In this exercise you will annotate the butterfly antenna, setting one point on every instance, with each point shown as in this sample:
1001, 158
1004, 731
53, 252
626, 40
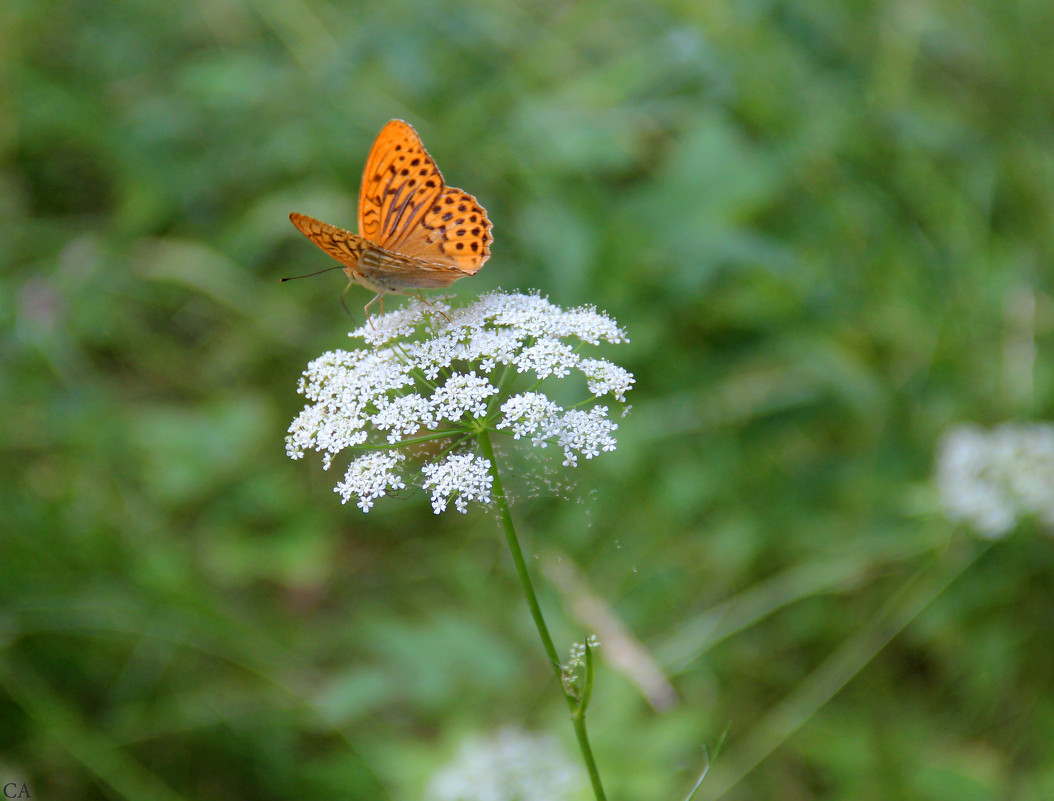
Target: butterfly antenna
294, 277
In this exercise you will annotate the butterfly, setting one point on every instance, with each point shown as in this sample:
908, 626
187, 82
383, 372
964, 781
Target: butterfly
415, 232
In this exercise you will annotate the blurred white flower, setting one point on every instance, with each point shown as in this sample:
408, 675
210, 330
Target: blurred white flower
992, 479
510, 765
577, 659
438, 374
572, 674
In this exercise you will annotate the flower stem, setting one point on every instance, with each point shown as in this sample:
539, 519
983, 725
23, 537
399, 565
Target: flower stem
578, 717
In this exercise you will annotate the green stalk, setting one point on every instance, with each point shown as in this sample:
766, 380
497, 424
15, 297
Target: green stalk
578, 712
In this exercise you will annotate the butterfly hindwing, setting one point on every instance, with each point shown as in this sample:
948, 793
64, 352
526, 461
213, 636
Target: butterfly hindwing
455, 231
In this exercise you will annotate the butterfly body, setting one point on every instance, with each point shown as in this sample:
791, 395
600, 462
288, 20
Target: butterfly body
414, 231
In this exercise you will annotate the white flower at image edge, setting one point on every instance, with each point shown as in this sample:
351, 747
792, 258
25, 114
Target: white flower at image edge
433, 373
992, 479
510, 765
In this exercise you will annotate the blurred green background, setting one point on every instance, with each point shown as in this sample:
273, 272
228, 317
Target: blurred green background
827, 228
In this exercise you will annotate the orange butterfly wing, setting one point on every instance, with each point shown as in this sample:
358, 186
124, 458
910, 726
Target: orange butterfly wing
400, 182
414, 231
455, 231
344, 246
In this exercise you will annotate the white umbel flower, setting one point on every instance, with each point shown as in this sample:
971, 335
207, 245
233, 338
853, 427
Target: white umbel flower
605, 378
460, 395
369, 477
433, 372
533, 415
460, 476
510, 765
992, 479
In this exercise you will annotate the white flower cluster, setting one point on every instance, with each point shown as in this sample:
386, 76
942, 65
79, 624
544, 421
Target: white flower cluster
534, 415
992, 479
461, 476
572, 672
370, 477
510, 765
577, 659
436, 372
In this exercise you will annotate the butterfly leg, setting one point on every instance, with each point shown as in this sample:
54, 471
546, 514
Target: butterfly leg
343, 302
366, 308
431, 305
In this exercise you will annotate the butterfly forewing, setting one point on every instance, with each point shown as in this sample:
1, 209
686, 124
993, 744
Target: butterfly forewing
400, 182
344, 246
